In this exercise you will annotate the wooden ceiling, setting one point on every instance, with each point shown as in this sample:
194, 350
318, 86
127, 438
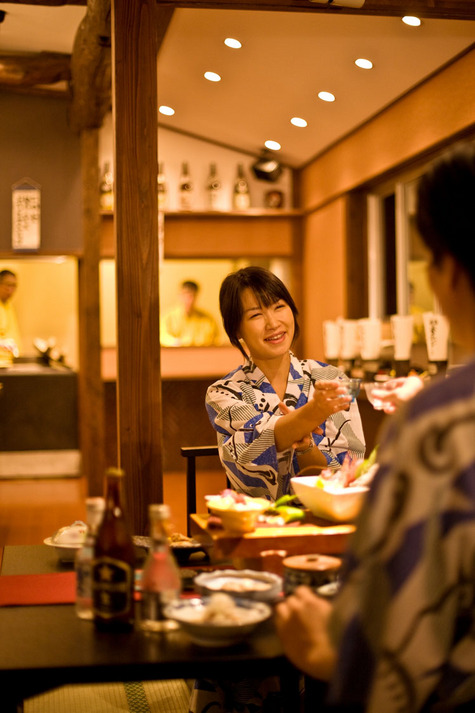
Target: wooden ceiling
87, 71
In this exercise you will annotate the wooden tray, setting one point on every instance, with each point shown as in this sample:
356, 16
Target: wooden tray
312, 536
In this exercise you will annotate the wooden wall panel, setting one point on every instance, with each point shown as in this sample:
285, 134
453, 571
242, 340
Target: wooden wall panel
433, 112
324, 273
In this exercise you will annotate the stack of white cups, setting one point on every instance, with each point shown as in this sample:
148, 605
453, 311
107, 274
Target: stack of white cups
402, 326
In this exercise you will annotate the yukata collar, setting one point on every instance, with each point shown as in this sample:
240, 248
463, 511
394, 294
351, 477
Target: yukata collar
254, 373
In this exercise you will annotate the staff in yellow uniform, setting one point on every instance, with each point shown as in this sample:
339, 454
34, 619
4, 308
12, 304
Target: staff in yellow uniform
10, 340
186, 325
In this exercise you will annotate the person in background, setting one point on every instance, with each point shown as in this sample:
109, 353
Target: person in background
10, 338
276, 414
400, 634
186, 325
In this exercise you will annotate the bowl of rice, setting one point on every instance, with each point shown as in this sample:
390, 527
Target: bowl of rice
218, 620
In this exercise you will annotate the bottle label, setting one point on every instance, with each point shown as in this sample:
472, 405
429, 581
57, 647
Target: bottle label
112, 585
241, 201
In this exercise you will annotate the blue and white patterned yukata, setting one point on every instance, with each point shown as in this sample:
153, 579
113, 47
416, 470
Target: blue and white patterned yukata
404, 620
244, 408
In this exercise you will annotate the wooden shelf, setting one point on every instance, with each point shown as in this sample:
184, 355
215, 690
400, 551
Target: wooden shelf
257, 232
249, 213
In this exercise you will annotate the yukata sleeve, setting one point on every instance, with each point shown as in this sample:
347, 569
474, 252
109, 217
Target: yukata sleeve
246, 438
343, 434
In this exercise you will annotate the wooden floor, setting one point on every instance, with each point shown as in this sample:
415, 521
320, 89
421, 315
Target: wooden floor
31, 510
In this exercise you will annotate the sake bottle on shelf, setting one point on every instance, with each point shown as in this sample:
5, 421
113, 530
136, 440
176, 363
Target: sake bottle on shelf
84, 556
162, 187
241, 195
213, 189
107, 188
113, 564
185, 188
161, 582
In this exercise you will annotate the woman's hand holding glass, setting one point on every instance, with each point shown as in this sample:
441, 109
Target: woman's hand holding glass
329, 397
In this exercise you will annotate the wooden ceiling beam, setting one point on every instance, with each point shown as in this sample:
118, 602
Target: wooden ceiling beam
442, 9
90, 84
30, 69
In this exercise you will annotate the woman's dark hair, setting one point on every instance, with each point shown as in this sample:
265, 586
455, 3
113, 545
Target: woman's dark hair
266, 286
446, 208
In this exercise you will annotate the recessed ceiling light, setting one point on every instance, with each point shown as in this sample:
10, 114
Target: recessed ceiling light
364, 63
233, 43
326, 96
411, 20
212, 76
167, 110
297, 121
274, 145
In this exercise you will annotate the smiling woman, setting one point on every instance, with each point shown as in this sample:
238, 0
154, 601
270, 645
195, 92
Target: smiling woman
276, 414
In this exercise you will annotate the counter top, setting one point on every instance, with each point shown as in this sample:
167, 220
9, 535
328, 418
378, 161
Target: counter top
183, 362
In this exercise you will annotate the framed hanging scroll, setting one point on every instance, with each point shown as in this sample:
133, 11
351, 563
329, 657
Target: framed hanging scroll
26, 215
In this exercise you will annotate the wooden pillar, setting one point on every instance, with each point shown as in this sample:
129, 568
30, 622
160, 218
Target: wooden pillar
134, 102
91, 388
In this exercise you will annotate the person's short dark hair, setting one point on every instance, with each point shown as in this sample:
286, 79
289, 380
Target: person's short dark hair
190, 285
266, 286
6, 273
446, 207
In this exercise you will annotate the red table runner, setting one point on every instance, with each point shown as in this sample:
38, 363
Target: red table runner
30, 589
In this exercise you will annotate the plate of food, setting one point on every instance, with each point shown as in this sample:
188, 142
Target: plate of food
241, 583
238, 512
336, 495
218, 620
67, 540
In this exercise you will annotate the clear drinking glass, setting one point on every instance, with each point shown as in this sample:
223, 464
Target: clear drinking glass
353, 387
369, 388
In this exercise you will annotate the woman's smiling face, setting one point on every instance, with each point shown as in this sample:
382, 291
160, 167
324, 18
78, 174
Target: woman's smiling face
267, 331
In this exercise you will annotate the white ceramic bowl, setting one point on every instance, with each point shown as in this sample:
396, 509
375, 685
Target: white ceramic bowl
188, 612
338, 505
67, 540
241, 583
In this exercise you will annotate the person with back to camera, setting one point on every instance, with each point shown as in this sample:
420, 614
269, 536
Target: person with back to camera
400, 634
276, 414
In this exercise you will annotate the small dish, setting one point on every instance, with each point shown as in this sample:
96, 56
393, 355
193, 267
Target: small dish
244, 617
182, 549
241, 583
237, 516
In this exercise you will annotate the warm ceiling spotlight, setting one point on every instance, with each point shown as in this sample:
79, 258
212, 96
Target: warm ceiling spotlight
233, 43
273, 145
212, 77
326, 96
411, 20
167, 110
297, 121
364, 63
